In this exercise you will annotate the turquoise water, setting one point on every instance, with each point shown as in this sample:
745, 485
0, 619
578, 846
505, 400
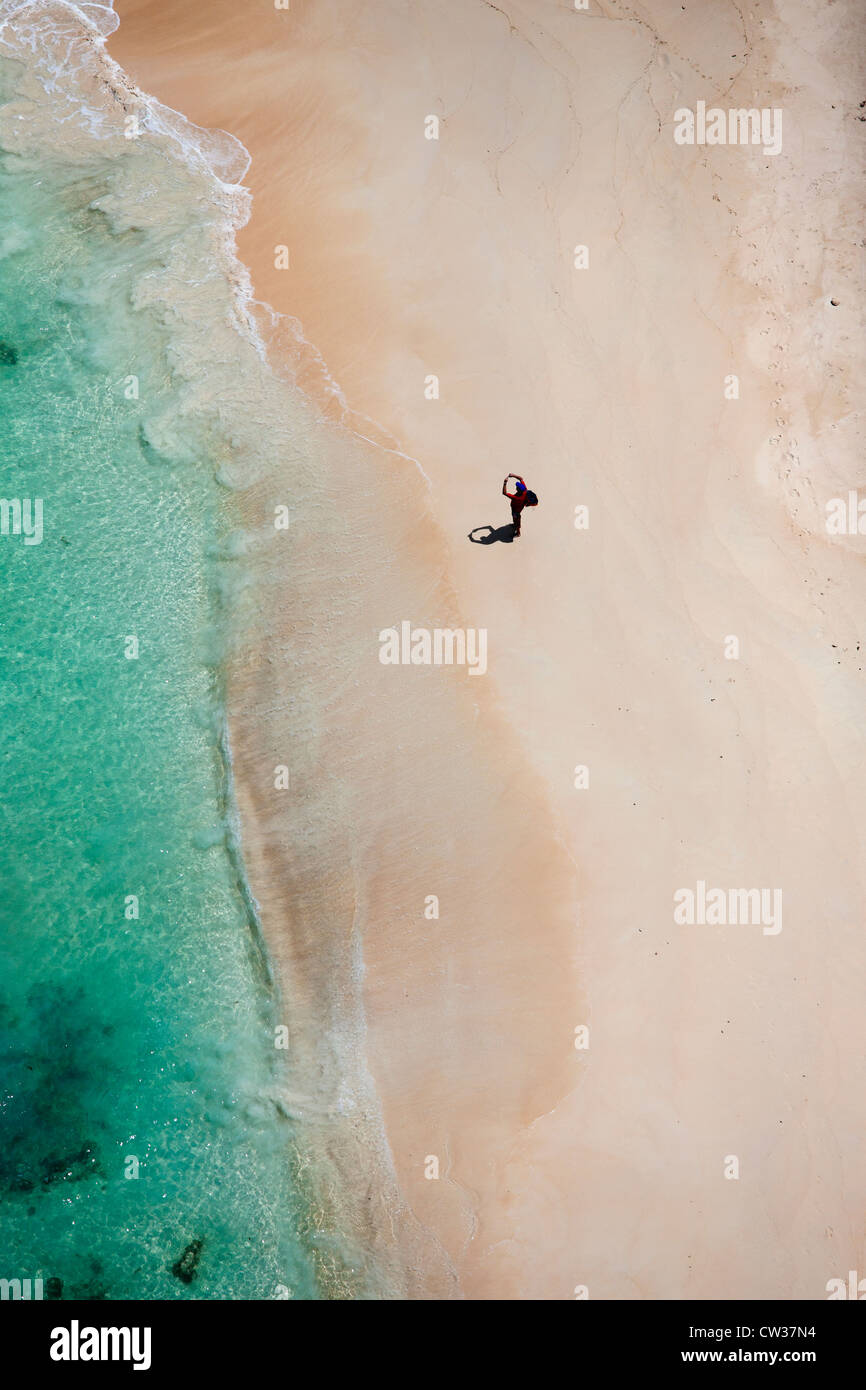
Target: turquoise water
141, 1154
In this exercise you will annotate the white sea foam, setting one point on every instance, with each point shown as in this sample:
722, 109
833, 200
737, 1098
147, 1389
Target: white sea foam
65, 45
65, 40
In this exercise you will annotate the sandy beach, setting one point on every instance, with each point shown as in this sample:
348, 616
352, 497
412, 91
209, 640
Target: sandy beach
663, 339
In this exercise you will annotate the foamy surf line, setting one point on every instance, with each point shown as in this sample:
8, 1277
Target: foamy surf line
143, 796
215, 360
216, 153
52, 46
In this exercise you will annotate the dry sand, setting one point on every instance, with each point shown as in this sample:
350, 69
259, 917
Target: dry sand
604, 387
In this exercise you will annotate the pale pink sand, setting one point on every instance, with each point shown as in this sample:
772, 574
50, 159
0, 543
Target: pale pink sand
605, 386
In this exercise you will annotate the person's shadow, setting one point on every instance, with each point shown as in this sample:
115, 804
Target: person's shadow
502, 533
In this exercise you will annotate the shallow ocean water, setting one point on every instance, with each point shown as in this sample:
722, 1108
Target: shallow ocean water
143, 1153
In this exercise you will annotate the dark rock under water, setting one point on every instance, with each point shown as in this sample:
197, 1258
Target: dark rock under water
185, 1268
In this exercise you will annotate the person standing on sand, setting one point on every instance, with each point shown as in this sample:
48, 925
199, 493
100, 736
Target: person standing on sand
521, 497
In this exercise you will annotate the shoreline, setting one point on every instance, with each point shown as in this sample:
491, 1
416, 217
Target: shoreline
429, 1273
323, 1153
185, 1078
